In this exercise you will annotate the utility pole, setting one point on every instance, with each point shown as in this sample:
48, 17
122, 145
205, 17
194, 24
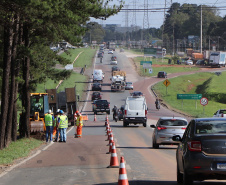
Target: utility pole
145, 22
201, 32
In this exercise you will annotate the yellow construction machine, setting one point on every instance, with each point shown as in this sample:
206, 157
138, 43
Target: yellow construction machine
39, 108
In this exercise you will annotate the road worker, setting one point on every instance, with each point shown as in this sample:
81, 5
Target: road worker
57, 125
79, 124
49, 120
62, 126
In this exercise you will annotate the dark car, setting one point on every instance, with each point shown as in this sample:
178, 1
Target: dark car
136, 93
101, 106
113, 58
201, 152
96, 87
201, 63
115, 68
100, 55
162, 74
96, 96
121, 112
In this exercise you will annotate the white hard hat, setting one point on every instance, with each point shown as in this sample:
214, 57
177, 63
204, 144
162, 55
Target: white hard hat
50, 111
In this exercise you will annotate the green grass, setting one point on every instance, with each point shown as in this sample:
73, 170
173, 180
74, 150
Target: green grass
85, 58
199, 83
20, 148
163, 66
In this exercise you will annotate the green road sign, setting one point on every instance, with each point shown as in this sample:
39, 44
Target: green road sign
150, 51
189, 96
145, 62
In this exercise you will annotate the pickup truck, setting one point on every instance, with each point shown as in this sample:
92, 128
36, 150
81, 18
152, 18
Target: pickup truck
220, 113
101, 106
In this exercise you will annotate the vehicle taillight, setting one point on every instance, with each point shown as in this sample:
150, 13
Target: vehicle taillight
183, 128
222, 115
125, 112
146, 112
194, 146
161, 128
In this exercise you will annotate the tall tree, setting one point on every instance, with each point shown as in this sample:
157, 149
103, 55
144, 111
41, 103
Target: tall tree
40, 22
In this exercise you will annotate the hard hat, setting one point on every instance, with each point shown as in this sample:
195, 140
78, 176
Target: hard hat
58, 110
50, 111
77, 112
61, 112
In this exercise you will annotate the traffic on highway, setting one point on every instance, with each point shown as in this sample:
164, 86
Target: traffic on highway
146, 139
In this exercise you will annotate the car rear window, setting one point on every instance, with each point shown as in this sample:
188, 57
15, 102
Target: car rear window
101, 102
172, 122
213, 127
222, 111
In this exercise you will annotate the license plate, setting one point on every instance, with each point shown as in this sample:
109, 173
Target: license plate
132, 118
221, 166
102, 109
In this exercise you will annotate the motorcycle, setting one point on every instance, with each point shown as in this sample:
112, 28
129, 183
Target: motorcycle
158, 106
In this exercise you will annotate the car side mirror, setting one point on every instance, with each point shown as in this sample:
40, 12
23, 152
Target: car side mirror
176, 138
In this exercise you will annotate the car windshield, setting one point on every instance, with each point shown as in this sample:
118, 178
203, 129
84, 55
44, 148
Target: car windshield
173, 122
128, 83
210, 127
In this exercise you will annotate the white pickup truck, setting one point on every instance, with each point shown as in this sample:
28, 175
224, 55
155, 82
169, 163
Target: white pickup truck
220, 113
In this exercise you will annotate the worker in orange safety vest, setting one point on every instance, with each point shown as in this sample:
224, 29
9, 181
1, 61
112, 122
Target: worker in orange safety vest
79, 124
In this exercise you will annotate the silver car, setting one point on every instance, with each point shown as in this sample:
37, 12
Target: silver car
129, 86
166, 128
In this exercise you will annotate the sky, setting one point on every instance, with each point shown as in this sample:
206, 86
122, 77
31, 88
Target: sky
155, 17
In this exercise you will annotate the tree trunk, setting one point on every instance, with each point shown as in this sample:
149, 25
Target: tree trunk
8, 41
10, 126
26, 89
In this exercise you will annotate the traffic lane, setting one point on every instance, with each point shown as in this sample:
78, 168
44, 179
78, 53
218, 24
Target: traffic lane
145, 87
145, 163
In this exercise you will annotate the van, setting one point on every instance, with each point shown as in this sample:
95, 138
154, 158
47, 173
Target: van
135, 110
98, 75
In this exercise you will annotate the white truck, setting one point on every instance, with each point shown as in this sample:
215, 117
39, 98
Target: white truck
217, 59
118, 81
135, 110
220, 113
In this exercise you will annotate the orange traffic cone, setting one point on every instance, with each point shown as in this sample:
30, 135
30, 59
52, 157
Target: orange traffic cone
110, 137
95, 118
122, 180
110, 147
114, 158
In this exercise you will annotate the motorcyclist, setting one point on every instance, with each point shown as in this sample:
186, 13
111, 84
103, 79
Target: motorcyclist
115, 111
157, 104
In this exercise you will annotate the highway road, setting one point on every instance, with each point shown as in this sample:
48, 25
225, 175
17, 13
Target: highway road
83, 161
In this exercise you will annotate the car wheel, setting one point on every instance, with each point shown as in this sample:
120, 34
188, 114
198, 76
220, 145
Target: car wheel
155, 145
179, 176
145, 124
187, 179
95, 112
108, 112
124, 124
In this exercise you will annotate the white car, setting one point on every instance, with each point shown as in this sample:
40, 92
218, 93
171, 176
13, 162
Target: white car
110, 51
189, 62
113, 62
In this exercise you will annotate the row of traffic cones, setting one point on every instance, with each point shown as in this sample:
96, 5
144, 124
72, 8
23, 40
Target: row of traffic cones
122, 180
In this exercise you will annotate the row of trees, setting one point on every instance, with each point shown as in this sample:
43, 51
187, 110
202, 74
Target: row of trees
180, 22
27, 28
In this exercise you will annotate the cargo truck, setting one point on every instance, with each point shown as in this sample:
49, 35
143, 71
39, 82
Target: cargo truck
217, 59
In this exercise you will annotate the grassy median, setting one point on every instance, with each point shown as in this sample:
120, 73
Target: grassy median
208, 84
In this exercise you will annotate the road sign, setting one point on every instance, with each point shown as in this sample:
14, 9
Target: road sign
145, 62
166, 82
146, 65
204, 101
189, 96
149, 51
150, 70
